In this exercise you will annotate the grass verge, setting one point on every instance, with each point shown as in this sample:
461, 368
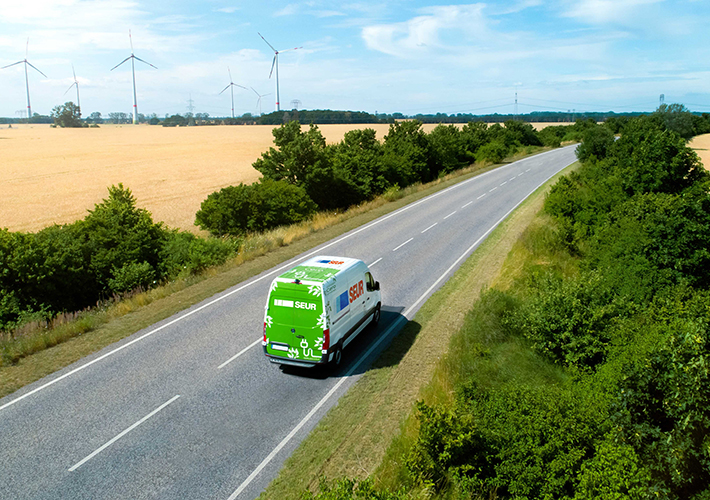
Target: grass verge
41, 349
355, 438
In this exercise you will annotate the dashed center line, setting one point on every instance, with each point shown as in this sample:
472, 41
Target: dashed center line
521, 173
528, 170
467, 204
427, 229
109, 443
484, 194
504, 183
511, 179
376, 262
452, 213
400, 246
491, 190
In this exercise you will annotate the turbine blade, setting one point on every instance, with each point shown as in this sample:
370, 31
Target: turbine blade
146, 62
230, 74
257, 93
27, 47
225, 88
240, 86
289, 50
130, 39
126, 59
36, 69
267, 43
273, 63
13, 64
72, 70
70, 86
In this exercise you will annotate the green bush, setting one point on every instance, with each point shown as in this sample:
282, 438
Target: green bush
131, 276
596, 142
494, 152
406, 155
235, 210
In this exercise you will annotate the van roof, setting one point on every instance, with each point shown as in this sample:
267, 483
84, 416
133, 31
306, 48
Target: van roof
319, 269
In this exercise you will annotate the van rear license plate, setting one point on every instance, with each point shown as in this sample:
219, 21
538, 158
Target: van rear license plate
279, 347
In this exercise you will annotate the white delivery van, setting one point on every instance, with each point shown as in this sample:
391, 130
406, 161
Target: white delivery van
317, 308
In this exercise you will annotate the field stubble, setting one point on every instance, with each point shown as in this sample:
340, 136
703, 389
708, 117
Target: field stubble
53, 175
701, 145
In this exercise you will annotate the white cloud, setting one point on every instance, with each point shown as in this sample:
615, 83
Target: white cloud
608, 11
409, 39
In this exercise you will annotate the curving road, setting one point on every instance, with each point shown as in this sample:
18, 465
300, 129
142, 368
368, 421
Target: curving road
190, 408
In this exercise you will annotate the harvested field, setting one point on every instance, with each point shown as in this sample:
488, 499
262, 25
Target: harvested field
701, 145
53, 175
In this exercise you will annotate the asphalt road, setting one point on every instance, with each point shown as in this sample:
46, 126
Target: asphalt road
191, 408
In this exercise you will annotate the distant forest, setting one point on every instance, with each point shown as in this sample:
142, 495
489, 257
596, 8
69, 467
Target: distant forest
327, 116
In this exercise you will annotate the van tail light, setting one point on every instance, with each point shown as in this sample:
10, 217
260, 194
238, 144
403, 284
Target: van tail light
326, 340
264, 341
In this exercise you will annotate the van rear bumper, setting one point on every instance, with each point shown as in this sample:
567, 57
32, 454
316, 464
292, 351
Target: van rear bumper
282, 360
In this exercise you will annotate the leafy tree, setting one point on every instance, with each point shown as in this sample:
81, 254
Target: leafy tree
67, 115
449, 148
95, 117
235, 210
407, 156
676, 118
596, 142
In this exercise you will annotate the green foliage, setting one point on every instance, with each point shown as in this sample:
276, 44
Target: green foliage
596, 141
449, 148
676, 118
406, 154
131, 276
349, 489
235, 210
67, 115
493, 152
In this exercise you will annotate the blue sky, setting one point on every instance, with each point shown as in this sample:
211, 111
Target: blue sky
407, 56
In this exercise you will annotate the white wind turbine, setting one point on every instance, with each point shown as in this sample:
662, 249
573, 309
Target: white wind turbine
76, 82
133, 57
275, 63
231, 88
27, 81
258, 100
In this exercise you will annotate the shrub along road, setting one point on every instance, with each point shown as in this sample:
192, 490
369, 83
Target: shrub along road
190, 408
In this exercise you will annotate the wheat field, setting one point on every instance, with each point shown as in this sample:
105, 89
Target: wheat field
701, 145
54, 175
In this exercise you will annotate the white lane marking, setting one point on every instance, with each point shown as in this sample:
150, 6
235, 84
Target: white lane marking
313, 411
239, 354
528, 170
452, 213
427, 229
467, 204
521, 173
400, 246
325, 398
285, 266
109, 443
484, 194
491, 190
511, 179
376, 262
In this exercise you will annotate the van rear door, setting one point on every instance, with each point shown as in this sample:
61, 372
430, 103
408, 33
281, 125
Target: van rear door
294, 322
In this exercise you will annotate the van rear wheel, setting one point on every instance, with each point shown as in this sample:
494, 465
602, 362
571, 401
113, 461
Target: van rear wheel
337, 356
376, 316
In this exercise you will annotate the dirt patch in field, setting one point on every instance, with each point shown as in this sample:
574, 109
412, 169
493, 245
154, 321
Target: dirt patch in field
701, 145
53, 175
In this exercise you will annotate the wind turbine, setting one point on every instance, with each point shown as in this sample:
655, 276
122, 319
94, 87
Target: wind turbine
76, 82
275, 63
27, 81
231, 88
258, 100
133, 57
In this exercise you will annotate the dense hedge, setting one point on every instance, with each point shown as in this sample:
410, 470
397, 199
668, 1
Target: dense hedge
360, 167
116, 248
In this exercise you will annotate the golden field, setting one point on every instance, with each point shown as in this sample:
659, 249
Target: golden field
701, 145
54, 175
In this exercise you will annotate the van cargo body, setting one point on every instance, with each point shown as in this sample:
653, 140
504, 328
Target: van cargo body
316, 308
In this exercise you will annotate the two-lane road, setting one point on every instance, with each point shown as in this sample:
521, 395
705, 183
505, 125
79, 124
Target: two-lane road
191, 408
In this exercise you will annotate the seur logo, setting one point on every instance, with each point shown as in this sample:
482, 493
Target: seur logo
306, 305
355, 291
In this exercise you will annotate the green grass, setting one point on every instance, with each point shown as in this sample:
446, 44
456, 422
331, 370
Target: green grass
39, 349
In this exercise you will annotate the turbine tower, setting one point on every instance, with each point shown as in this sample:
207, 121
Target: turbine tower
133, 57
258, 100
275, 63
27, 80
231, 88
76, 82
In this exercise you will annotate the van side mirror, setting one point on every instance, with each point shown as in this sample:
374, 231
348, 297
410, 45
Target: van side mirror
377, 285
